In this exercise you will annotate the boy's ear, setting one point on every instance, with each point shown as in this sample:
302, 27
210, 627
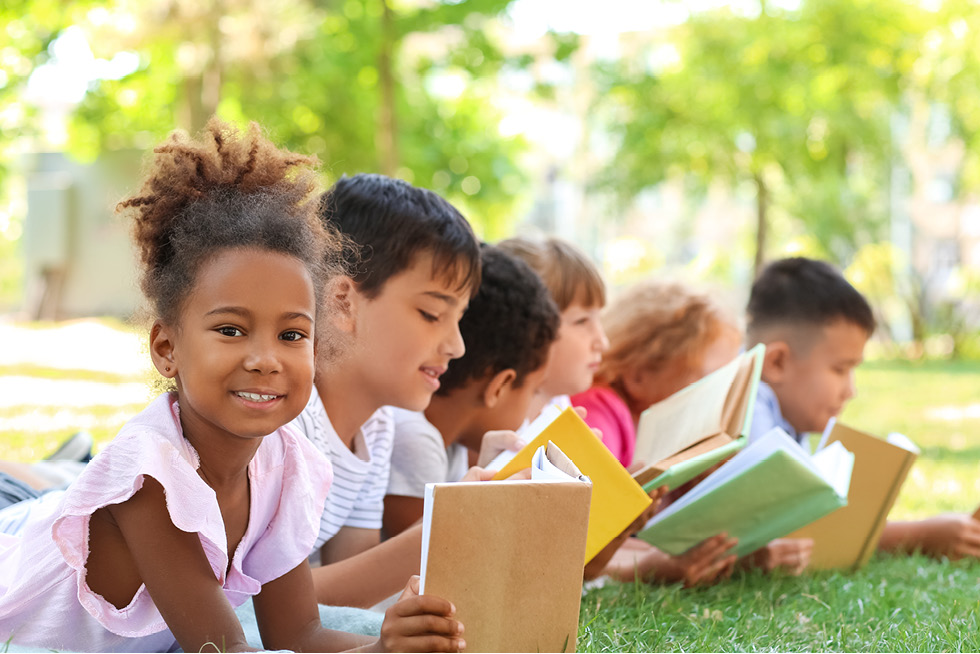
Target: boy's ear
774, 363
497, 386
162, 349
342, 302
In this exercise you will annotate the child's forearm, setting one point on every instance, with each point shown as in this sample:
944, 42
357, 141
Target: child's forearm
900, 537
371, 576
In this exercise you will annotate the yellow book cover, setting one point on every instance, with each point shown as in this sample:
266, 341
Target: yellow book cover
849, 536
617, 500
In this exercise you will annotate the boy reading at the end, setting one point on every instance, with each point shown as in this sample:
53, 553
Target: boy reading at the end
815, 326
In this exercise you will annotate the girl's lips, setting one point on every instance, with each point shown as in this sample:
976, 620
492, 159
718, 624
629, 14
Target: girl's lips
258, 400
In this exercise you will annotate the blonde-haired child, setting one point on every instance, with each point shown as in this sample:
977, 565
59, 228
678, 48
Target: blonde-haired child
577, 288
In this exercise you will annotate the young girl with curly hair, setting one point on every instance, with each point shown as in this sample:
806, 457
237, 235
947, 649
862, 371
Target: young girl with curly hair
205, 498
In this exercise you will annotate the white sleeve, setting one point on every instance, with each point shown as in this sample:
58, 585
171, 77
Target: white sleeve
418, 457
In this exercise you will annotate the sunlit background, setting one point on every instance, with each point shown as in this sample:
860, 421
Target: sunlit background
685, 139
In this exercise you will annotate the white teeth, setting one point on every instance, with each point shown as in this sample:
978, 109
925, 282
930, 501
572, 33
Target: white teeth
255, 397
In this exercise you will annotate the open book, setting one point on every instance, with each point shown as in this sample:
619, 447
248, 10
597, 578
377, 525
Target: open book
617, 500
700, 425
764, 492
509, 555
848, 537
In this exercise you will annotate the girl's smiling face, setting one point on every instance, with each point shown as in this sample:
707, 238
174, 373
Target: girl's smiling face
242, 353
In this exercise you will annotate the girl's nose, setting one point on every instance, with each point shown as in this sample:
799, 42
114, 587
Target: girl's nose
263, 360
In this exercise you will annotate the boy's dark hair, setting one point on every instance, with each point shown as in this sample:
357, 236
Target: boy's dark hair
511, 323
804, 293
389, 222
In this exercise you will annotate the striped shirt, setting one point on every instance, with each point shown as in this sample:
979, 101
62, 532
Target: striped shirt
360, 477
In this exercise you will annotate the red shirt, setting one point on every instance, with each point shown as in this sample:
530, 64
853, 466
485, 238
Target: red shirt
608, 413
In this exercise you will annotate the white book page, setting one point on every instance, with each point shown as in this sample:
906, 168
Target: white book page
528, 434
903, 441
825, 436
835, 464
686, 417
426, 528
543, 469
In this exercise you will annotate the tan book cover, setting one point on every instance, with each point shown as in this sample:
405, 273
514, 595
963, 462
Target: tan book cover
616, 499
509, 555
849, 536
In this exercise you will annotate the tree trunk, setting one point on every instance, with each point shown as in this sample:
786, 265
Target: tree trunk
387, 118
762, 227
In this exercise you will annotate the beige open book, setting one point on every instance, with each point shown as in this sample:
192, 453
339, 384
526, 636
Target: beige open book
509, 555
698, 426
849, 536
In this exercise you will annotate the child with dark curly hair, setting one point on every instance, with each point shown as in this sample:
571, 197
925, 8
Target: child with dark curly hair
508, 330
205, 498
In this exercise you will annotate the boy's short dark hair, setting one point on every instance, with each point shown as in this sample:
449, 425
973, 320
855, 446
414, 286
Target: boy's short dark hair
803, 292
389, 223
511, 323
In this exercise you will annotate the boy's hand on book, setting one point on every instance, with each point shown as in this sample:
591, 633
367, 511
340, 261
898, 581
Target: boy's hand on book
705, 563
497, 442
421, 623
789, 554
476, 473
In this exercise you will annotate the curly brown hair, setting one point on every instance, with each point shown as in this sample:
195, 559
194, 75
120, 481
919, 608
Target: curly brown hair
654, 322
227, 189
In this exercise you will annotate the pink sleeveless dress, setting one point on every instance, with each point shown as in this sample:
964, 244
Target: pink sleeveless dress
44, 598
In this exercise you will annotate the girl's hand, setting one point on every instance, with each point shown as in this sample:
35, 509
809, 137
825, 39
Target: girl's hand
496, 442
421, 623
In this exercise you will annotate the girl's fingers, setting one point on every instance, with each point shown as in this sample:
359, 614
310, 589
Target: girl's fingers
423, 605
427, 625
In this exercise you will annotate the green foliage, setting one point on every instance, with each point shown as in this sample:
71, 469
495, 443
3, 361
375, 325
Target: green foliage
317, 78
797, 102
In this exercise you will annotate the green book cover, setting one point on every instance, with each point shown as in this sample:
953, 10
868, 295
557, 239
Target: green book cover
766, 491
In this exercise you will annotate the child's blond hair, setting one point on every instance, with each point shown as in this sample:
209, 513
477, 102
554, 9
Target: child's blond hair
655, 322
567, 272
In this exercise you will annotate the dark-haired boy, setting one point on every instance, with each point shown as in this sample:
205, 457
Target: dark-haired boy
508, 328
815, 326
413, 263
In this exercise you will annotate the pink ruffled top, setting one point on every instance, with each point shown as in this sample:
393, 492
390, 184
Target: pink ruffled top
607, 412
44, 598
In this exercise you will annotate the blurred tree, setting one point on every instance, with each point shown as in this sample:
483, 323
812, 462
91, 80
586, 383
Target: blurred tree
796, 102
399, 87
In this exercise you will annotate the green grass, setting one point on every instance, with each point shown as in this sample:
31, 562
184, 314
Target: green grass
893, 604
902, 604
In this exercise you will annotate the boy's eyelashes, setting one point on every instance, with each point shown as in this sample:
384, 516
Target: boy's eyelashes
428, 317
